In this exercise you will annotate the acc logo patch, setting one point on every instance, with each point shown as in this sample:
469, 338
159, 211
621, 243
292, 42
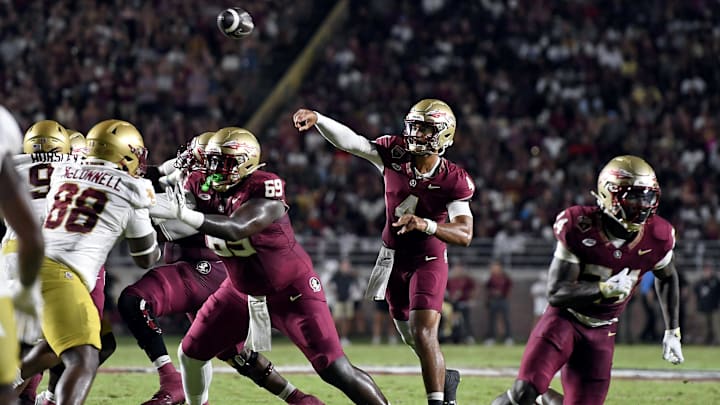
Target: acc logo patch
589, 242
203, 267
315, 284
397, 152
584, 223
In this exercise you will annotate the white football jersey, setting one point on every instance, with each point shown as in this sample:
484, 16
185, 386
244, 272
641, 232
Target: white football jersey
91, 206
34, 171
10, 143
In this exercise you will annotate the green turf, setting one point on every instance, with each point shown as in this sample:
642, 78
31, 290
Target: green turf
134, 388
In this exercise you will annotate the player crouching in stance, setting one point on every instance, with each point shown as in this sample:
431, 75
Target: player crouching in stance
270, 281
601, 253
90, 207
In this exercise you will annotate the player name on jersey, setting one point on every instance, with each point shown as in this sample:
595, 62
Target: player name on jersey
52, 157
100, 177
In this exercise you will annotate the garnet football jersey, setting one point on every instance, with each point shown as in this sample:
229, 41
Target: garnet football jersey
407, 193
267, 261
579, 229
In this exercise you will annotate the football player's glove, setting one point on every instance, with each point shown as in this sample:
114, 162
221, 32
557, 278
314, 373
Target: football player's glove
178, 202
27, 300
618, 285
672, 349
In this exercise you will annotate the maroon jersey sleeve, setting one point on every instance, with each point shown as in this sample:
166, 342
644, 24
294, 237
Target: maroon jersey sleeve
391, 148
464, 186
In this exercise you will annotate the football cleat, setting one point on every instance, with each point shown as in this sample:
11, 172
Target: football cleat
452, 380
170, 395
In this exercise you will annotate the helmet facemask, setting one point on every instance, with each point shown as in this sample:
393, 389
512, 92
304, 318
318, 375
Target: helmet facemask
628, 191
429, 128
632, 206
230, 156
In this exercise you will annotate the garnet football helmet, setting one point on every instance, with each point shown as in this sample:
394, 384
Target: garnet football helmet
628, 191
118, 142
46, 136
192, 155
429, 127
78, 146
230, 156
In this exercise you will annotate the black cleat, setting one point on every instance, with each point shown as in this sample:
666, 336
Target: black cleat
452, 380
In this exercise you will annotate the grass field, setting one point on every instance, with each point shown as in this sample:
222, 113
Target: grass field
126, 379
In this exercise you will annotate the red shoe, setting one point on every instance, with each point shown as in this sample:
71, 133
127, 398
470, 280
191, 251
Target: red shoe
307, 399
170, 394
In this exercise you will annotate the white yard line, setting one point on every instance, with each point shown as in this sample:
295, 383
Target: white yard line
695, 375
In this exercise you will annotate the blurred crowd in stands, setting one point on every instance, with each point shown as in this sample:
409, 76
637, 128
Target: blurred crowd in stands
545, 93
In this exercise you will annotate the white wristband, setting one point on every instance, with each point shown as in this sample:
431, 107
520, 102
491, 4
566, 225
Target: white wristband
192, 218
431, 226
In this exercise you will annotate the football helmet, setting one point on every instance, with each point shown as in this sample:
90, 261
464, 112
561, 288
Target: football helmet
429, 127
231, 155
78, 146
118, 142
46, 136
628, 191
192, 155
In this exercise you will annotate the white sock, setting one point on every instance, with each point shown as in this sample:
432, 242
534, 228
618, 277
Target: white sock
161, 361
285, 393
196, 378
436, 396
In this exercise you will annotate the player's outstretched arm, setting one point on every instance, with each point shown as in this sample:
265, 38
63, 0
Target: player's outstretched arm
250, 218
15, 205
338, 134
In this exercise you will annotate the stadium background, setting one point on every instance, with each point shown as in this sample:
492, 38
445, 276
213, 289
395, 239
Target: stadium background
545, 92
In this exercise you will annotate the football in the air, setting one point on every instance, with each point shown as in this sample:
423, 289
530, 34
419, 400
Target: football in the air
235, 22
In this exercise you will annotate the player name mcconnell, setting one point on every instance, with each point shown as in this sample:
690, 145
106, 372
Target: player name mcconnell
97, 177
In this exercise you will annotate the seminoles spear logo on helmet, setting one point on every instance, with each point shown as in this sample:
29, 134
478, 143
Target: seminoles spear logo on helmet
231, 155
628, 191
429, 127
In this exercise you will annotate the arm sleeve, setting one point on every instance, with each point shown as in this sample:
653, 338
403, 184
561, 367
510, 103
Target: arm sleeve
139, 224
456, 208
167, 167
175, 229
346, 139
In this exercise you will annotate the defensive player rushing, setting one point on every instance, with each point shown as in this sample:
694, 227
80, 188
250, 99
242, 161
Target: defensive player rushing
242, 212
41, 357
422, 190
601, 253
190, 274
23, 295
90, 207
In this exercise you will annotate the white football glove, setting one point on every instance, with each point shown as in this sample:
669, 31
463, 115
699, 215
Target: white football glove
672, 350
172, 179
618, 285
27, 300
176, 197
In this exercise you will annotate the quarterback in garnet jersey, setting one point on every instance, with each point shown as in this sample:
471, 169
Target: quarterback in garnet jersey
271, 281
601, 253
427, 205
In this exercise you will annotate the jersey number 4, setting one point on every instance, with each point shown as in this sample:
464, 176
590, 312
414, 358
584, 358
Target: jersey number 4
79, 212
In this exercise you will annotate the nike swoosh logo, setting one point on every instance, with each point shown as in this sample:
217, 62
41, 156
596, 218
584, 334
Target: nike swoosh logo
294, 298
430, 258
612, 333
643, 252
432, 187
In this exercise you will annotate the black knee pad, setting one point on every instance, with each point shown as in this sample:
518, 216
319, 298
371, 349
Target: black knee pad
250, 364
524, 392
138, 314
